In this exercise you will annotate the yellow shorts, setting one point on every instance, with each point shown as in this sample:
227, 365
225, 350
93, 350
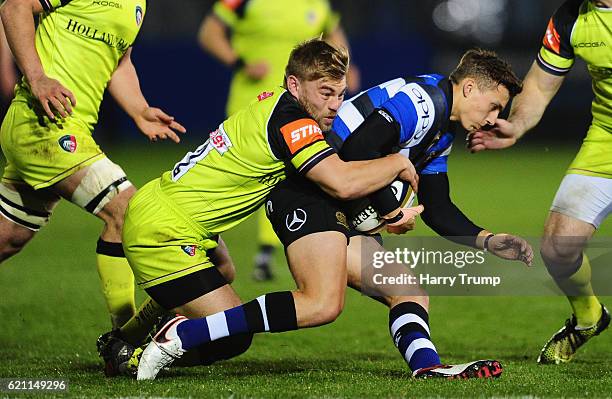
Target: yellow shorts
43, 154
160, 244
593, 158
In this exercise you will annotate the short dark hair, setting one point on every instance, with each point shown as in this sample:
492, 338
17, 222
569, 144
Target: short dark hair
488, 70
316, 59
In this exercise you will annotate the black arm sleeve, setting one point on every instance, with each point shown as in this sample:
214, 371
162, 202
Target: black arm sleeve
375, 138
441, 215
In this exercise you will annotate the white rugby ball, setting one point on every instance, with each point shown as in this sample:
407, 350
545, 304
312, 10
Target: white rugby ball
365, 219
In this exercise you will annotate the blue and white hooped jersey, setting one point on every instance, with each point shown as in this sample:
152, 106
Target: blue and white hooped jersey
420, 105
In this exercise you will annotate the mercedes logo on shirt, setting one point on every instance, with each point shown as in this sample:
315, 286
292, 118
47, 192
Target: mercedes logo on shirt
296, 219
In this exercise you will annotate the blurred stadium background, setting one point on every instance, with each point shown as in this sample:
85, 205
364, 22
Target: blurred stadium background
51, 309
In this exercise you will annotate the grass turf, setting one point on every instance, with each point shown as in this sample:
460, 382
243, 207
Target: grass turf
52, 310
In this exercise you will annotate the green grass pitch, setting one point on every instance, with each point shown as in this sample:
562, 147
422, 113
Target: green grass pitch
52, 311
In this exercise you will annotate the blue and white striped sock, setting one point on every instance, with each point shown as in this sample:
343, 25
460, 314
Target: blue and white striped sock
409, 327
273, 312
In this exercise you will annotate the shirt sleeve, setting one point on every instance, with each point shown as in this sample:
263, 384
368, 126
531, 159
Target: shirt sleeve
297, 138
556, 55
50, 5
229, 11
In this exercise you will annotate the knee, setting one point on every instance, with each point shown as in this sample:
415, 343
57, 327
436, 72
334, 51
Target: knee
327, 310
561, 260
558, 249
11, 242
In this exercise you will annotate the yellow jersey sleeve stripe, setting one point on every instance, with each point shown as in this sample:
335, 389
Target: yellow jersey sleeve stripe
308, 157
554, 63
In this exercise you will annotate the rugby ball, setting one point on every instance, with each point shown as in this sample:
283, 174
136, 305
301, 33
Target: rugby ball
365, 219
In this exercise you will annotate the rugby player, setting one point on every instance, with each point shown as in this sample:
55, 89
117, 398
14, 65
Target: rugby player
413, 116
254, 39
79, 49
479, 98
579, 28
173, 220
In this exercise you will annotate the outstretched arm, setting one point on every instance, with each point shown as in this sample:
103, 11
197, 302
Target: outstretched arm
539, 88
446, 219
125, 89
18, 19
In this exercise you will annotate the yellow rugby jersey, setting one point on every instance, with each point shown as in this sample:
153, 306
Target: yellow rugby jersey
228, 177
267, 30
579, 28
80, 43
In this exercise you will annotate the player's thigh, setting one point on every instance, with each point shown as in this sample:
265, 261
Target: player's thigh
221, 299
587, 199
314, 231
43, 153
580, 205
24, 211
318, 263
168, 257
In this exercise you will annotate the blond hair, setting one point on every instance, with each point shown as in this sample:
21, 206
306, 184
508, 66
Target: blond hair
316, 59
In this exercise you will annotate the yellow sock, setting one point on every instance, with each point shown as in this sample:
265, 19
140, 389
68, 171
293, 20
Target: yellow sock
118, 287
265, 232
137, 328
585, 304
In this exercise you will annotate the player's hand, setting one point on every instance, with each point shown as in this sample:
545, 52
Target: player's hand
409, 173
257, 70
507, 246
502, 135
53, 97
408, 222
157, 125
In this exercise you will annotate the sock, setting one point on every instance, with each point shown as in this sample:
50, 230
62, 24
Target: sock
212, 352
117, 281
409, 327
579, 291
273, 312
137, 328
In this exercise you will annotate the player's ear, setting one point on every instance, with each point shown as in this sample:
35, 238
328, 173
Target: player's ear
469, 85
293, 85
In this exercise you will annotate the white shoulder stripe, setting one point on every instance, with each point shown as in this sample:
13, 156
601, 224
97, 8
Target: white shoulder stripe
393, 86
351, 116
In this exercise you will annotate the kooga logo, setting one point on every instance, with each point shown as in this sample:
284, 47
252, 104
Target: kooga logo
590, 44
